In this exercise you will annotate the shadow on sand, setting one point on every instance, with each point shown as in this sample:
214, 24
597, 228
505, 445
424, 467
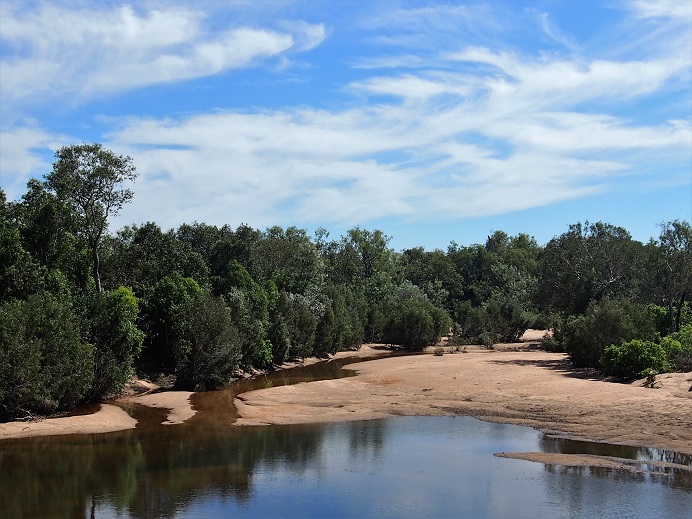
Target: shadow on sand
563, 366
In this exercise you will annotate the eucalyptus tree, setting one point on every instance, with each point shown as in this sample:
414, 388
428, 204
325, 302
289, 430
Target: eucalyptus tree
672, 262
218, 246
589, 263
208, 344
89, 179
434, 272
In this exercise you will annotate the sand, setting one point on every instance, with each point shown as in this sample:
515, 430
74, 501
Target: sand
177, 403
525, 387
109, 418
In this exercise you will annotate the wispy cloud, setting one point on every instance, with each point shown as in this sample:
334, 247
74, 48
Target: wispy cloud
680, 9
441, 115
501, 140
24, 152
62, 51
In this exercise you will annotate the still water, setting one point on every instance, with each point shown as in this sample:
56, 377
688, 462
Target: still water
401, 467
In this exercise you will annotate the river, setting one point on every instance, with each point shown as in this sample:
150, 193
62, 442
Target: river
408, 467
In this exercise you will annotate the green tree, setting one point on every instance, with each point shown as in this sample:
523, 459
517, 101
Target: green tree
20, 273
498, 281
363, 261
249, 306
139, 256
500, 318
433, 272
611, 321
672, 268
160, 309
589, 263
342, 324
50, 229
217, 247
89, 178
474, 268
411, 320
289, 258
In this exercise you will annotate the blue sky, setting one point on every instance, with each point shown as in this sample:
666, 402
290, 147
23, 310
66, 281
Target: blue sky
432, 121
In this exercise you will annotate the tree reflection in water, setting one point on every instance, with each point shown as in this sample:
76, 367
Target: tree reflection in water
165, 471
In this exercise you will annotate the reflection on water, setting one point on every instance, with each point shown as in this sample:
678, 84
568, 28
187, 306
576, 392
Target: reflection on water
403, 467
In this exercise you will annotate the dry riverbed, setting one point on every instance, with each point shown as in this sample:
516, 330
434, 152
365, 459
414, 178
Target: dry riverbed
516, 384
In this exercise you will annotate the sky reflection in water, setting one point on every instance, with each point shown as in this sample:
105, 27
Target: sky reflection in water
403, 467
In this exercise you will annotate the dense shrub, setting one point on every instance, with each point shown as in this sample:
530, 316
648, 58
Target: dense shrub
117, 340
680, 354
160, 308
412, 320
251, 324
499, 319
585, 337
207, 344
44, 365
630, 360
342, 325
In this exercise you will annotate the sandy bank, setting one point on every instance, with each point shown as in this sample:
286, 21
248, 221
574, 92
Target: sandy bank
589, 460
177, 403
109, 418
527, 387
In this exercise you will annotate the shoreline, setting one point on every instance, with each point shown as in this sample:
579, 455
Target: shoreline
514, 383
511, 384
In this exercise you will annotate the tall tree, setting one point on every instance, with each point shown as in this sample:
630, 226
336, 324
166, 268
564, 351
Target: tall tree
588, 263
89, 178
673, 262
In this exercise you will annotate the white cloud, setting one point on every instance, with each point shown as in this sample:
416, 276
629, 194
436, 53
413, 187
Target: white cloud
568, 82
490, 146
415, 86
550, 29
397, 61
61, 51
432, 132
681, 9
24, 152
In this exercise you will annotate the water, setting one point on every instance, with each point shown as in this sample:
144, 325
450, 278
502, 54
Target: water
413, 467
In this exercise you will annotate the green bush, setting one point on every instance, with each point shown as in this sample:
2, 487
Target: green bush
499, 319
44, 365
117, 340
342, 326
160, 308
681, 357
585, 337
207, 344
412, 320
634, 359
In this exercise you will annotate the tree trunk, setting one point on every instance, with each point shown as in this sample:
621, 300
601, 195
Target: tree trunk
97, 267
681, 303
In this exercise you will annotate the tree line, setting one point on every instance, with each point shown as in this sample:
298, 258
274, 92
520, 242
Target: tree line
81, 308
